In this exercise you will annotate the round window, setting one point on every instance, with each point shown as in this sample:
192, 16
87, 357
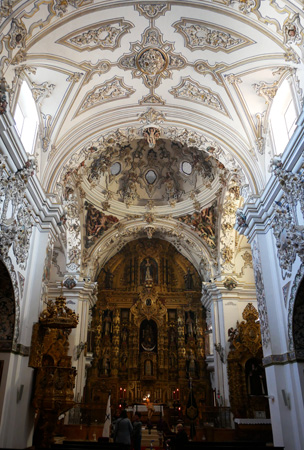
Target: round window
186, 168
115, 168
150, 176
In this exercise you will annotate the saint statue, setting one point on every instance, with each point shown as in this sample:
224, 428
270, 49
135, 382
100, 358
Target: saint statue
148, 276
188, 277
189, 325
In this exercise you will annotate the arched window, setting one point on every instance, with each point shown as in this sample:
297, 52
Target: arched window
282, 117
26, 118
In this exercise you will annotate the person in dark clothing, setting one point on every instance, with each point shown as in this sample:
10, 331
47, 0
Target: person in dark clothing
178, 441
123, 430
137, 426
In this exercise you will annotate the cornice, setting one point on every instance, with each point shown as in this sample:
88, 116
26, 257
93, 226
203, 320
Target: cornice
46, 214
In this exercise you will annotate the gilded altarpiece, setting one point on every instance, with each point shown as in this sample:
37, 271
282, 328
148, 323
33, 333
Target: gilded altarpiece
148, 329
246, 374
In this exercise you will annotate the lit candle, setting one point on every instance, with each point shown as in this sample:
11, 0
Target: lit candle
124, 393
177, 394
173, 395
120, 392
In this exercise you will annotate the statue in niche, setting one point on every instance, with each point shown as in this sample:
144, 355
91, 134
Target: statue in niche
108, 279
148, 368
104, 365
172, 337
107, 323
188, 277
124, 360
124, 336
172, 360
148, 337
192, 365
148, 271
189, 325
256, 380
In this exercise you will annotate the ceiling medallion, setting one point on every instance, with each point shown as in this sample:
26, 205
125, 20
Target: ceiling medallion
152, 59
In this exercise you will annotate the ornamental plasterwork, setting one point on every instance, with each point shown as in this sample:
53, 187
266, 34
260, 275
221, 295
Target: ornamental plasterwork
100, 68
260, 293
46, 131
245, 6
292, 31
6, 8
152, 117
152, 59
152, 99
204, 68
266, 90
193, 91
17, 34
247, 258
287, 231
227, 236
72, 225
103, 35
152, 11
123, 137
15, 221
41, 91
74, 77
21, 245
61, 6
200, 35
291, 56
113, 89
19, 58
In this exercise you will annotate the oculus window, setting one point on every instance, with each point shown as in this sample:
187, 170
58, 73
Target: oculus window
115, 168
150, 176
186, 168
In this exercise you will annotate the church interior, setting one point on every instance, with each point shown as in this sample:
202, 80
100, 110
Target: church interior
152, 219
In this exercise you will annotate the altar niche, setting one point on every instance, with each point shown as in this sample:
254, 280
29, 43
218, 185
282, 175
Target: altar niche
148, 271
148, 336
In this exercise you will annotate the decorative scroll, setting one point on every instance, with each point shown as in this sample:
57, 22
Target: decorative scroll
106, 35
202, 35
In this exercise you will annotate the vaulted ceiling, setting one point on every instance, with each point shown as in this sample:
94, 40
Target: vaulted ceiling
200, 74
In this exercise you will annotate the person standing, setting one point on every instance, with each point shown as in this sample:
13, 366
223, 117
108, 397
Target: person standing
123, 430
137, 426
180, 439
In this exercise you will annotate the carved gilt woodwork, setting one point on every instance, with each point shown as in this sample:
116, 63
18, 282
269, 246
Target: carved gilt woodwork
55, 376
246, 377
148, 328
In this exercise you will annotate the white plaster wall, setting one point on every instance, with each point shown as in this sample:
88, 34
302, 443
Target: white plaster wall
17, 419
